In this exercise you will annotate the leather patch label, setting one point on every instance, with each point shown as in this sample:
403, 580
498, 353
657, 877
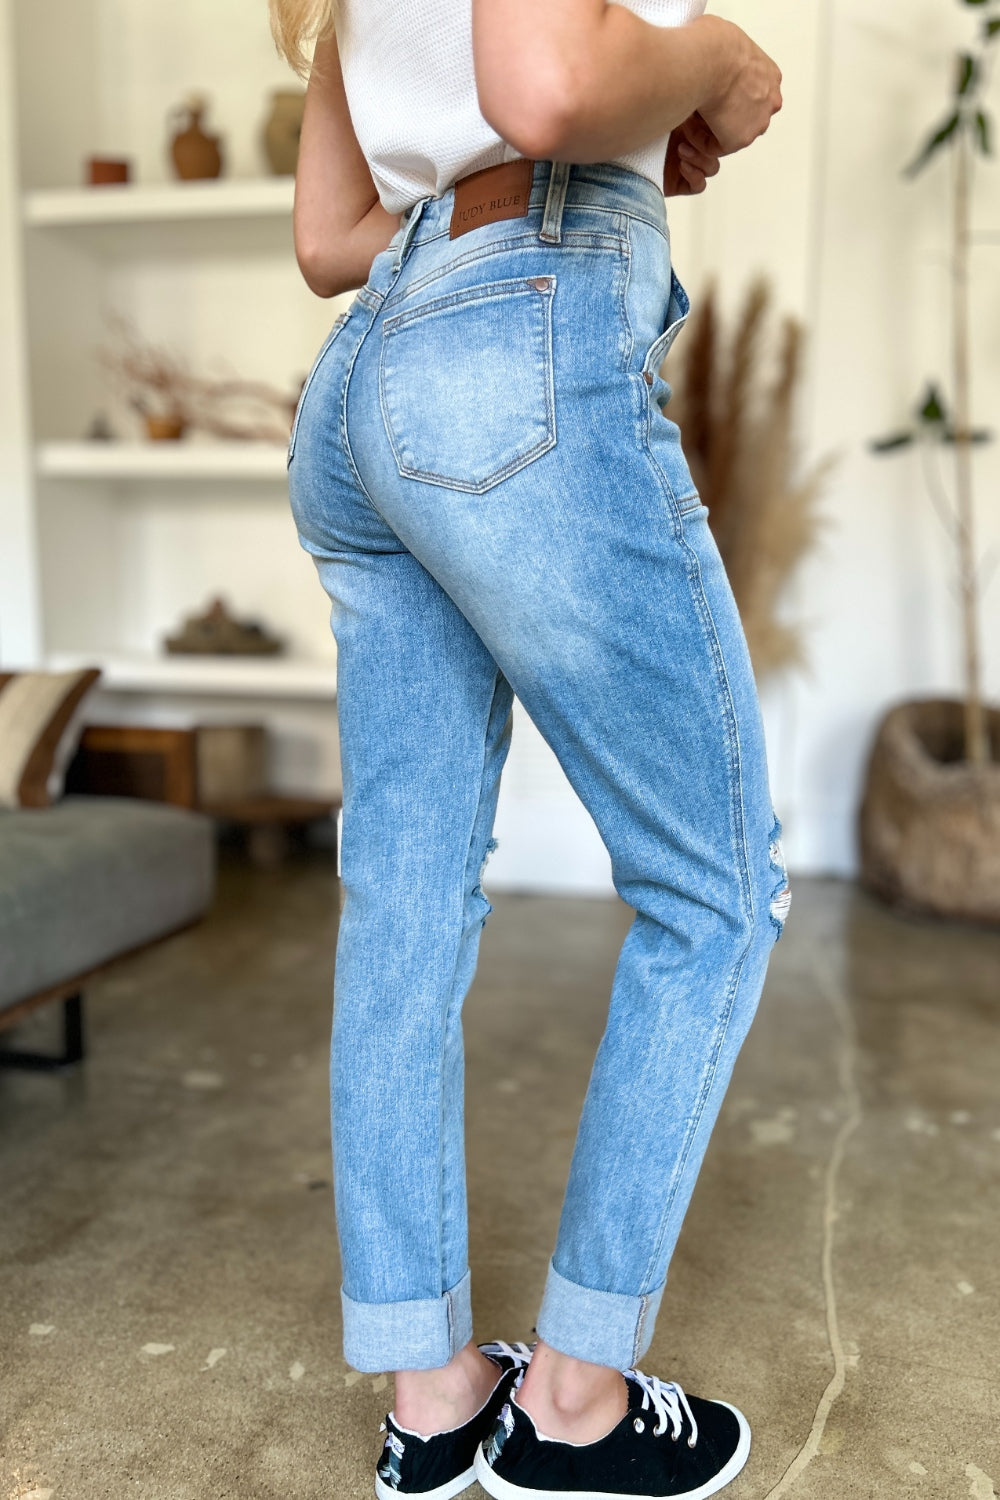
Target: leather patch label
500, 192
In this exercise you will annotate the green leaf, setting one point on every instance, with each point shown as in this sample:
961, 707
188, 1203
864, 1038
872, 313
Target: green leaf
936, 141
977, 2
990, 30
984, 133
933, 408
968, 73
891, 443
977, 435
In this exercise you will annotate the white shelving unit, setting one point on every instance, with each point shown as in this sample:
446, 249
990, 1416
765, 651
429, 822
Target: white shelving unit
238, 677
164, 461
137, 203
109, 545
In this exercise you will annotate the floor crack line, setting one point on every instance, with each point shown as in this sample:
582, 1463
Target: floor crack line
851, 1102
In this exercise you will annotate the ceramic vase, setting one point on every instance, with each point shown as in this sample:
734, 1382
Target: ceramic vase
282, 130
194, 153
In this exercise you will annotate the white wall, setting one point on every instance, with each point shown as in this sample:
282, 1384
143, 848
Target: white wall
820, 204
20, 624
862, 256
876, 599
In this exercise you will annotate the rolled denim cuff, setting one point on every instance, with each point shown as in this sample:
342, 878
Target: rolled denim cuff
419, 1335
606, 1328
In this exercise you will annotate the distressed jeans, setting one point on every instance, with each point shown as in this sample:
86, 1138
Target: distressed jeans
497, 504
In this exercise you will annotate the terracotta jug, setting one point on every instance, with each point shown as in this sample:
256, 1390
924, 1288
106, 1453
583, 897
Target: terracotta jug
283, 129
195, 154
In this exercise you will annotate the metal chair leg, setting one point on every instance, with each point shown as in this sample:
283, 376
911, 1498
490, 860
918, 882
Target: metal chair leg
49, 1062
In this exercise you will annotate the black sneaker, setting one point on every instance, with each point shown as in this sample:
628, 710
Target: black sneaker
668, 1445
441, 1466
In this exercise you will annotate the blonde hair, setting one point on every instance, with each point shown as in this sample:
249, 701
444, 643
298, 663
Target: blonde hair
297, 23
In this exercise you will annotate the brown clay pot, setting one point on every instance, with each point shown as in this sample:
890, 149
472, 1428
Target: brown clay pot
195, 154
282, 130
105, 170
929, 823
164, 429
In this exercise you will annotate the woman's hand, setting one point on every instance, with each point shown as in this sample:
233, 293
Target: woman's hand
743, 106
692, 158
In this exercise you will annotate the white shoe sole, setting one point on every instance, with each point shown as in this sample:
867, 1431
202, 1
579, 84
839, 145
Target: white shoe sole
502, 1489
443, 1492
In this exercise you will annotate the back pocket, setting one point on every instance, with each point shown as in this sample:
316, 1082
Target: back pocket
466, 383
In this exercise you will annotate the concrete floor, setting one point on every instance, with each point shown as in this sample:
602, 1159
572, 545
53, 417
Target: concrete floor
169, 1323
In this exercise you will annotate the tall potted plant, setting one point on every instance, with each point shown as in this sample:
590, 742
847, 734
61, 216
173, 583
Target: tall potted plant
930, 818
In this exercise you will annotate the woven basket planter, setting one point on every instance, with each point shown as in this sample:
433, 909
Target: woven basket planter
929, 824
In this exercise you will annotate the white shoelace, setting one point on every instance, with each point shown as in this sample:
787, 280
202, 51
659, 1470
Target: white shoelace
669, 1403
519, 1354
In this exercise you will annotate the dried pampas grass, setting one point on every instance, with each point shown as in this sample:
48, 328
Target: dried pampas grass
737, 421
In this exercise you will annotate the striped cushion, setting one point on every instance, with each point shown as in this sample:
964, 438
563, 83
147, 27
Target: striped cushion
37, 728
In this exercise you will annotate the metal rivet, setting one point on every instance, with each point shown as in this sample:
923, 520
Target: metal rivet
647, 377
541, 283
639, 1425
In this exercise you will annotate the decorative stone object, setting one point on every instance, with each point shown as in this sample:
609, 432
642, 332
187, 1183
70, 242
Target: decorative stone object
283, 130
194, 153
218, 633
929, 822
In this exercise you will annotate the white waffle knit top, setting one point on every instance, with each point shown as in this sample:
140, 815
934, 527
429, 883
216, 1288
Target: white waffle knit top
411, 89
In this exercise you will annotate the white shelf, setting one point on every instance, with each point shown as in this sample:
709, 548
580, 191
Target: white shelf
138, 203
169, 461
248, 677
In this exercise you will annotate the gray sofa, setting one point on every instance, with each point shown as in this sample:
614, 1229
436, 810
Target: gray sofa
82, 883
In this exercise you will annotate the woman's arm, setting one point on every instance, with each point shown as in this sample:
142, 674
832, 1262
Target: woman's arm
584, 80
572, 80
340, 225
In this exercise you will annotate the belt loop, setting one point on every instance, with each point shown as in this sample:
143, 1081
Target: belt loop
554, 200
411, 223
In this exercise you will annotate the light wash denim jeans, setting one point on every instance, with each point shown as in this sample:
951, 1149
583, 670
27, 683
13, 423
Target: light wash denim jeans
497, 504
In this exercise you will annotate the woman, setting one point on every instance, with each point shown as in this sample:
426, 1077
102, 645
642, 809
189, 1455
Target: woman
496, 503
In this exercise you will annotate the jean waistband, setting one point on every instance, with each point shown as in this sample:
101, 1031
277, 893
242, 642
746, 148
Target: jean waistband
556, 187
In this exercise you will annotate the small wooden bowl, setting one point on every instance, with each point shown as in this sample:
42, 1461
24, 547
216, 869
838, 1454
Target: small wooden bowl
164, 429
